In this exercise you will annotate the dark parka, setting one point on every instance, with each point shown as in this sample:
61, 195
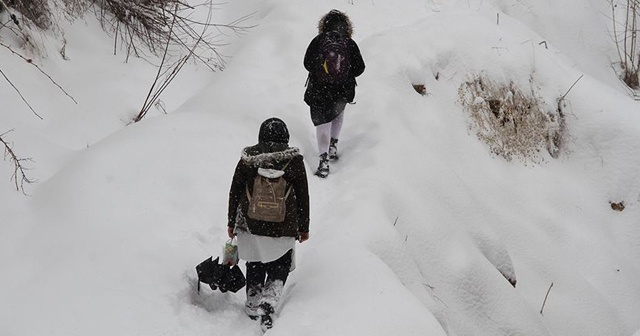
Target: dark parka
272, 151
320, 96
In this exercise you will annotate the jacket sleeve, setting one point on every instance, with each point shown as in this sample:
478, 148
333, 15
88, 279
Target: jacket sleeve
357, 63
310, 54
301, 188
235, 194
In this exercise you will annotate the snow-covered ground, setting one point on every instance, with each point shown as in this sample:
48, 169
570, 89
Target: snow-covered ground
411, 233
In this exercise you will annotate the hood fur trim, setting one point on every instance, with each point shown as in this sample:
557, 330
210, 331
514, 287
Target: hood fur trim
336, 13
259, 159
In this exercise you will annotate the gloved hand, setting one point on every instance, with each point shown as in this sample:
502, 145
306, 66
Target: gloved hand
303, 236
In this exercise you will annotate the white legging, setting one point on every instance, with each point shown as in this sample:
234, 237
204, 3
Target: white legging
326, 132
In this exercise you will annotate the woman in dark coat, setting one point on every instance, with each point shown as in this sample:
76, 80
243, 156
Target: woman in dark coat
268, 247
327, 101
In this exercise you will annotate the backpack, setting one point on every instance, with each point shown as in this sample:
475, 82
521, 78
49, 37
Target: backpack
270, 192
334, 64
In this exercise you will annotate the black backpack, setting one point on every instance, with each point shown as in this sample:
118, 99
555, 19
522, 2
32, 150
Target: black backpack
334, 64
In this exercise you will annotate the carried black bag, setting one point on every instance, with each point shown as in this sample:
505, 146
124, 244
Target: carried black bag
234, 280
220, 276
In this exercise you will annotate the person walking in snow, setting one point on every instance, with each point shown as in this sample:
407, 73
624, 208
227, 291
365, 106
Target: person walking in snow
334, 61
264, 241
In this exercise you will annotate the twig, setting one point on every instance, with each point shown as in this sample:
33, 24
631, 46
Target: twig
545, 298
433, 289
18, 168
147, 102
19, 93
572, 85
39, 69
154, 93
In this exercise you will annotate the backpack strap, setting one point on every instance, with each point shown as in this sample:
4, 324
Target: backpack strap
286, 195
246, 187
286, 165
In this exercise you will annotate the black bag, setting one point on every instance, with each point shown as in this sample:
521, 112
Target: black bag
220, 276
234, 280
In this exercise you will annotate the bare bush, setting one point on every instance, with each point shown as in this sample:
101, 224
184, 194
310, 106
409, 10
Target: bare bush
138, 26
514, 124
166, 26
150, 24
626, 38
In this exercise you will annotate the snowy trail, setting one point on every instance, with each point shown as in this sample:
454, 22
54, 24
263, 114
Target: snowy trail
413, 232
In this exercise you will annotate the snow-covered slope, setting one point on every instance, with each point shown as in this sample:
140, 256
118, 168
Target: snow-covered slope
413, 233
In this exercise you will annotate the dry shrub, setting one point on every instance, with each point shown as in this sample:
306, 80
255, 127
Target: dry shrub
513, 123
158, 24
625, 15
138, 25
147, 20
35, 11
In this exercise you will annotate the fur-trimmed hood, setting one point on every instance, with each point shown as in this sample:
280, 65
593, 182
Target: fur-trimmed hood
335, 20
256, 156
262, 155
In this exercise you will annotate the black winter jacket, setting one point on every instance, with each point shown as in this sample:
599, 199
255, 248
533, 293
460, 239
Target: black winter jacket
297, 204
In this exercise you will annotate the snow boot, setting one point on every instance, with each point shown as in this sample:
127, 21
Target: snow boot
252, 305
323, 166
266, 321
253, 311
333, 150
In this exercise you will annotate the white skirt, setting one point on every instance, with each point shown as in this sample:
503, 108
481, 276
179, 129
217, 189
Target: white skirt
262, 248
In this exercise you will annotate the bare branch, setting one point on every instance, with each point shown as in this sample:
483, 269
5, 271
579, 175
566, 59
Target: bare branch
29, 61
19, 93
545, 298
147, 103
19, 176
626, 41
170, 73
572, 85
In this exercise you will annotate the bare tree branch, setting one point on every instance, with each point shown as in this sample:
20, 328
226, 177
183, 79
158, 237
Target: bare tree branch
19, 176
172, 71
39, 69
147, 102
20, 94
545, 298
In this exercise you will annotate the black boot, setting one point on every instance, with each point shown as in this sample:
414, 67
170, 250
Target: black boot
266, 321
323, 166
333, 149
